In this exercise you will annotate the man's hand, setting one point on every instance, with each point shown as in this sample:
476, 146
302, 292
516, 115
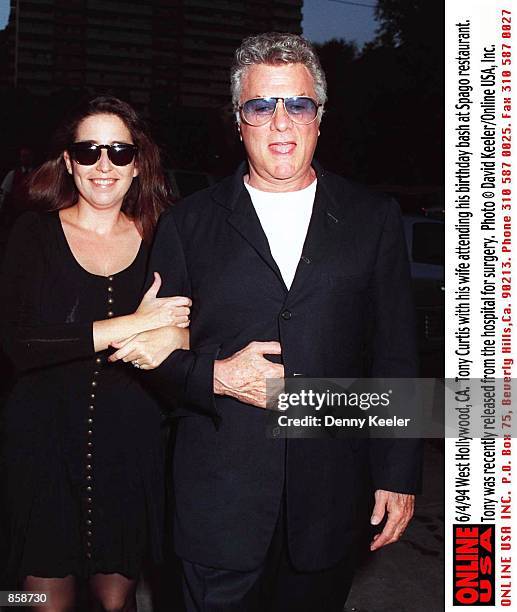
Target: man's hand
243, 375
149, 349
400, 509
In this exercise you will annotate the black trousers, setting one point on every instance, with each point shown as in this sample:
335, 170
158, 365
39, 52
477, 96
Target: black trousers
276, 586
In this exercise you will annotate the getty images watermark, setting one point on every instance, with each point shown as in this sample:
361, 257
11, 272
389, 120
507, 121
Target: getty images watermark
318, 401
387, 408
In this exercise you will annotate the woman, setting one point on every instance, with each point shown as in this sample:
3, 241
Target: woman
81, 454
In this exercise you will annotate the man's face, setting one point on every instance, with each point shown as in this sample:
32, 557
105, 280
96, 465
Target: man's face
279, 153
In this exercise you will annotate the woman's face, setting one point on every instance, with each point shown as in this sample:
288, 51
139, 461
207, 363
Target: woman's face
102, 185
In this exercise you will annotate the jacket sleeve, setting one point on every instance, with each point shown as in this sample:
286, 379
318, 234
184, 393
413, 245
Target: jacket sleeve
185, 378
396, 464
26, 339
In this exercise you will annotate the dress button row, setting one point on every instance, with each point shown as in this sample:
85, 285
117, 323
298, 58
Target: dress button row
110, 298
89, 457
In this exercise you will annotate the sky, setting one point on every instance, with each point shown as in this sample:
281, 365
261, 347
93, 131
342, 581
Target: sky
326, 19
322, 20
4, 13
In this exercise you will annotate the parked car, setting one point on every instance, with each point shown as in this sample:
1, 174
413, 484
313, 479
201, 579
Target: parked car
425, 239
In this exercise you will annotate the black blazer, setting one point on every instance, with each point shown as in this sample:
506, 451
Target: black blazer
350, 297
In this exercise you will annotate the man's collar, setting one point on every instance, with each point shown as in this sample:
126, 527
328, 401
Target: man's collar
227, 192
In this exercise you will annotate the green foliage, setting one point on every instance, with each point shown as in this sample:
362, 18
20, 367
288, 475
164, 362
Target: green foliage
384, 119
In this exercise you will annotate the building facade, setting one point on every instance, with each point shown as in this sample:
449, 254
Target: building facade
178, 50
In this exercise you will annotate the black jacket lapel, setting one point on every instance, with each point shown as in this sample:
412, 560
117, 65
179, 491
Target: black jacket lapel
243, 218
329, 223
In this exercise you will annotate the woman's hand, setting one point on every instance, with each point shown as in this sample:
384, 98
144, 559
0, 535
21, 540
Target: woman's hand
155, 312
149, 349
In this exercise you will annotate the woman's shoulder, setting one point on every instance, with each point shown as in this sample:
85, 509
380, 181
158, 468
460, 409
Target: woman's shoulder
34, 220
32, 229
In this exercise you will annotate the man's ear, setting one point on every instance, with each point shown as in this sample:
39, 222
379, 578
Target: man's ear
68, 161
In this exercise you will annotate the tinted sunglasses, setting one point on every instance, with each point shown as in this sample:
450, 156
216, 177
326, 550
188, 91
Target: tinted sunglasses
259, 111
87, 154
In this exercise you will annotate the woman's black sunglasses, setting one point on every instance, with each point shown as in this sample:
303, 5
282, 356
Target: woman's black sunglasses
87, 153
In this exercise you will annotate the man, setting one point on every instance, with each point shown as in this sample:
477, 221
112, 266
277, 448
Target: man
13, 197
292, 271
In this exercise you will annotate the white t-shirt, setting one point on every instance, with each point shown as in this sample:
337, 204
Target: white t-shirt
285, 219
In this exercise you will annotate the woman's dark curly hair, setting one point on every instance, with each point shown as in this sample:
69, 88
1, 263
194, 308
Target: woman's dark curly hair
51, 187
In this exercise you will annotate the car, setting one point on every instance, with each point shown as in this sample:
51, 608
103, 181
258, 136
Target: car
425, 240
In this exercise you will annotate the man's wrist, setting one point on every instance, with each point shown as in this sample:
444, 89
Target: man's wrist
218, 371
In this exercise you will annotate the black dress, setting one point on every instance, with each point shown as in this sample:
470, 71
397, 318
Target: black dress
82, 464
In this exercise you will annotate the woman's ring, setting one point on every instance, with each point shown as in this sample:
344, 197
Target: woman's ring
135, 364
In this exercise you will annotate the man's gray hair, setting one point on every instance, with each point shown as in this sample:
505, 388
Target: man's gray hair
274, 48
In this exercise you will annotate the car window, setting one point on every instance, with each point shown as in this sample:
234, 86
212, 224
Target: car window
429, 243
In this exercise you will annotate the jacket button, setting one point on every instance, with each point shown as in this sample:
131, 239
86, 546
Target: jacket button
306, 259
286, 315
